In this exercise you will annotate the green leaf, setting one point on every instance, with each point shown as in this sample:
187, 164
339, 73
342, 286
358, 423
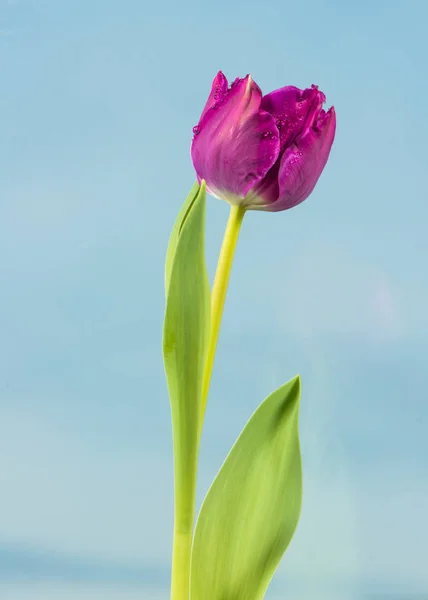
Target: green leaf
175, 233
185, 341
252, 509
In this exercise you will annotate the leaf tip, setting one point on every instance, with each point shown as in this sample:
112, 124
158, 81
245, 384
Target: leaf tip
296, 385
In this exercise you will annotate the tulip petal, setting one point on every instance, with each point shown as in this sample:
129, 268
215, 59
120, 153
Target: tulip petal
235, 143
303, 162
266, 191
289, 106
218, 92
293, 110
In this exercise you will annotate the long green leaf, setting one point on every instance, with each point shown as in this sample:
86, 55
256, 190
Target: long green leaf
252, 509
175, 233
185, 340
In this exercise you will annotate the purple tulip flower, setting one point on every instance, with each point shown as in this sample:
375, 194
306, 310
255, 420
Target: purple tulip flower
262, 152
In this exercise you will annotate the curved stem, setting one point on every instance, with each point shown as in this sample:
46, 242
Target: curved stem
218, 295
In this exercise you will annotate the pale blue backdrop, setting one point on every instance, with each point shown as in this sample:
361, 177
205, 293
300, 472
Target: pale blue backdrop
97, 103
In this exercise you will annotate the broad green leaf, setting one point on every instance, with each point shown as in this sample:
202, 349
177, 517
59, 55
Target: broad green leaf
185, 340
252, 509
173, 239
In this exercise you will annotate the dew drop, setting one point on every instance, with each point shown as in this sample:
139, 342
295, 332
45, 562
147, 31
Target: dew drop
196, 129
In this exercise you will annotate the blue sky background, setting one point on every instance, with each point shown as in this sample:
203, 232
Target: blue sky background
97, 104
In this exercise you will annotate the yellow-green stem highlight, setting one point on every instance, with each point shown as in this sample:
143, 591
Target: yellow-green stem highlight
218, 295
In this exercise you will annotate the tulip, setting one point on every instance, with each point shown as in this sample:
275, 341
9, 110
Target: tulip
259, 153
262, 152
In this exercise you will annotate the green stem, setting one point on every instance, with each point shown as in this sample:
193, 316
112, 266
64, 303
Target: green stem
185, 473
218, 295
180, 581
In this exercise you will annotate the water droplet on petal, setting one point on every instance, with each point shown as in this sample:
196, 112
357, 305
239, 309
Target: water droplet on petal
196, 129
215, 106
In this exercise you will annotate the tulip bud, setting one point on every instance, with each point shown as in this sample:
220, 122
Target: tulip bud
262, 152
